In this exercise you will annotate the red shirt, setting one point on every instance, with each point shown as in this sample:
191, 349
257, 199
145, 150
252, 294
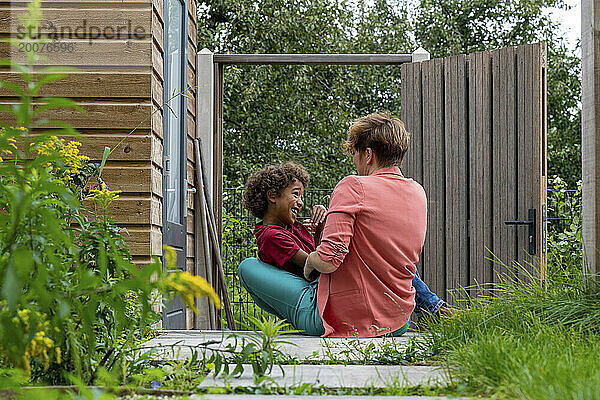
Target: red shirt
277, 245
374, 233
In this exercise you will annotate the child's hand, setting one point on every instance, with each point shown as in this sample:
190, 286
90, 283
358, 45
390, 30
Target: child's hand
318, 214
317, 217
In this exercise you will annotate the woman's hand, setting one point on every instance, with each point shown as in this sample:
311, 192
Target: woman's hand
307, 271
318, 215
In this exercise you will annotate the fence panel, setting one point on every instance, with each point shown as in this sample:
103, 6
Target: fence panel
480, 154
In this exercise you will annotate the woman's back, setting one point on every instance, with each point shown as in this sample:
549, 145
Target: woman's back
375, 232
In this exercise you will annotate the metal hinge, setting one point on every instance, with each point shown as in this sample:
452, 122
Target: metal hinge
544, 228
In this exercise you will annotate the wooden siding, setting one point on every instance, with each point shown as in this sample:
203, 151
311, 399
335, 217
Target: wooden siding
478, 147
119, 84
112, 84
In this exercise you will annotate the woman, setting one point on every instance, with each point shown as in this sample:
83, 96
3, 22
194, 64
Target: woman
372, 238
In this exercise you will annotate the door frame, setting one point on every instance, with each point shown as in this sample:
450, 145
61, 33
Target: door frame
172, 232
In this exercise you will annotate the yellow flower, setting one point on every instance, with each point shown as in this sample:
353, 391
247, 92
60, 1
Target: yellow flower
58, 355
189, 287
11, 142
68, 152
40, 345
104, 197
170, 257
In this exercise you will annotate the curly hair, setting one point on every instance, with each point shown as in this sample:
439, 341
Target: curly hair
274, 178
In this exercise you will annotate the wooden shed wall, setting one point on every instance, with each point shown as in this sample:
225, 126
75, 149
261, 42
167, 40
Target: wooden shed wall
119, 82
113, 85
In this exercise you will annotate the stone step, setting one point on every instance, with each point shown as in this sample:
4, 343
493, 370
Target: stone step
180, 344
336, 376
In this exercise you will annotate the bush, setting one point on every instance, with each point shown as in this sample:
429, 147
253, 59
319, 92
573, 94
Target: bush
565, 240
72, 302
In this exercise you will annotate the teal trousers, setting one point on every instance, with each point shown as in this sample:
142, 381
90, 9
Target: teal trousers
286, 296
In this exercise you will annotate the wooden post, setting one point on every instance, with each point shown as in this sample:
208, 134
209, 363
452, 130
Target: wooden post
207, 319
590, 133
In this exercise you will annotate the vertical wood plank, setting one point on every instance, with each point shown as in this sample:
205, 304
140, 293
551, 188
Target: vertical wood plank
535, 173
426, 118
450, 110
590, 138
543, 195
512, 185
480, 186
504, 174
524, 94
439, 178
418, 104
412, 117
535, 168
497, 172
407, 115
433, 173
457, 258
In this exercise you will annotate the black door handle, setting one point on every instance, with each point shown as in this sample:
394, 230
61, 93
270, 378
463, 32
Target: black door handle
532, 229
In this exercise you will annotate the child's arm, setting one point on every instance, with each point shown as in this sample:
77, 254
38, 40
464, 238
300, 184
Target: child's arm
299, 259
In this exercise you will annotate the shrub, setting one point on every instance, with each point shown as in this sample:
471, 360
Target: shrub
72, 302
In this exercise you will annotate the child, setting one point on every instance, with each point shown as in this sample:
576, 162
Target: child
274, 195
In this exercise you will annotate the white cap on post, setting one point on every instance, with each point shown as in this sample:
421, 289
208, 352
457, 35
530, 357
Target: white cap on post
420, 54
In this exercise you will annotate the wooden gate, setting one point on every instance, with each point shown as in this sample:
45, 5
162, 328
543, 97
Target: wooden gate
478, 147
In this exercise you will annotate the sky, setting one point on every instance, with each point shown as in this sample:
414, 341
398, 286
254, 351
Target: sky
570, 21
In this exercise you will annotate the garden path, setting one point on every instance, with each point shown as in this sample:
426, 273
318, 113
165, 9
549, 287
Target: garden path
315, 356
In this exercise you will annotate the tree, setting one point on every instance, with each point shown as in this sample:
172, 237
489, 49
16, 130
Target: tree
302, 113
447, 27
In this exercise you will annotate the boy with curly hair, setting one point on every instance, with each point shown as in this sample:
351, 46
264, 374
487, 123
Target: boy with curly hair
274, 195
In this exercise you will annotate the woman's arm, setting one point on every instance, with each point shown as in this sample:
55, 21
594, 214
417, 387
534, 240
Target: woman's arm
345, 204
314, 262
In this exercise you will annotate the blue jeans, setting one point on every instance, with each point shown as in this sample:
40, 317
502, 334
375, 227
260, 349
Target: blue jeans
294, 299
426, 301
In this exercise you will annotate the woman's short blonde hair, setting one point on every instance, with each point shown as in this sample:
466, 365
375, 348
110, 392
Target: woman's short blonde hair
385, 134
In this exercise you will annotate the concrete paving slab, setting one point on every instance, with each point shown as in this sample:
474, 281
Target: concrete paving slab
292, 397
337, 376
180, 344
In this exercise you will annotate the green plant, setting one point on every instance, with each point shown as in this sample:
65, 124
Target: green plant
565, 245
72, 302
270, 331
531, 340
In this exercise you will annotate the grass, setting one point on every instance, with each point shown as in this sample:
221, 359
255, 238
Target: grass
529, 341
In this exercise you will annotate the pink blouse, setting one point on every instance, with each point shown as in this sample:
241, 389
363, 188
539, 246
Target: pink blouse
374, 233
